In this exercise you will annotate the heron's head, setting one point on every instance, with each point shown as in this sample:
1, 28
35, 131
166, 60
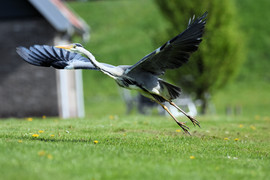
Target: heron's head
75, 47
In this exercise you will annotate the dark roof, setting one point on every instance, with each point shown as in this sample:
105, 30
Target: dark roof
62, 18
17, 9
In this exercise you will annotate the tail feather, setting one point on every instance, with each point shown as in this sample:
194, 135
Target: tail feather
170, 91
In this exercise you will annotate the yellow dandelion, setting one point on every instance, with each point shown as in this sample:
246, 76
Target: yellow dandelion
52, 135
257, 117
43, 117
225, 138
253, 127
95, 142
124, 134
41, 131
192, 157
35, 135
266, 118
178, 130
20, 141
111, 117
29, 119
236, 139
241, 125
41, 153
49, 156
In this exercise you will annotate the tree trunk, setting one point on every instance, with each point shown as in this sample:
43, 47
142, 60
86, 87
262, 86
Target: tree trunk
202, 97
204, 106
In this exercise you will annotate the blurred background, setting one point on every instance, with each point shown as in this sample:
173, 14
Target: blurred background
228, 75
236, 46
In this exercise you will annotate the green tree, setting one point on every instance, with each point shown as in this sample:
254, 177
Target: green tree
221, 53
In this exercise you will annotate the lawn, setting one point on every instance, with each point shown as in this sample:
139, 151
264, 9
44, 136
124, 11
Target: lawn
107, 144
134, 147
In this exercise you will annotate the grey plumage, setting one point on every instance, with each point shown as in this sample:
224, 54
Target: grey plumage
49, 56
175, 52
142, 76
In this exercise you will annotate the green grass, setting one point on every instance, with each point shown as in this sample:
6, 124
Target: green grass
134, 147
256, 28
121, 33
253, 98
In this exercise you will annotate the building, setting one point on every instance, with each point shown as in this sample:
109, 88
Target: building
26, 90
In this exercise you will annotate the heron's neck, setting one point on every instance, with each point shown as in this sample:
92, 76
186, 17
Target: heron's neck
106, 70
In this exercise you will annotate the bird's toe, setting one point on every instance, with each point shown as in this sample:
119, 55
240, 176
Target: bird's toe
194, 121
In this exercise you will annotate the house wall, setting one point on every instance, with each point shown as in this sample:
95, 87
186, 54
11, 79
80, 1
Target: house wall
26, 90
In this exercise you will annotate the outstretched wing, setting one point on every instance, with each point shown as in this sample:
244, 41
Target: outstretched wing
48, 56
174, 53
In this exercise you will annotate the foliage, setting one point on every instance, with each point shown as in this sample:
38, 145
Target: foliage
220, 54
256, 26
134, 147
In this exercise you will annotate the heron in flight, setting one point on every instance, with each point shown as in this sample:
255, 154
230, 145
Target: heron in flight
142, 76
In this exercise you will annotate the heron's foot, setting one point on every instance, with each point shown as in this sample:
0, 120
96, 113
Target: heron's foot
194, 121
183, 126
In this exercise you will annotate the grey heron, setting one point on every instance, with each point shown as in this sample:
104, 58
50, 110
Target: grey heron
142, 76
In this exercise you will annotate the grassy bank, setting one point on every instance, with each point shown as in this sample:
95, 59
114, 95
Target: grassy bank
134, 147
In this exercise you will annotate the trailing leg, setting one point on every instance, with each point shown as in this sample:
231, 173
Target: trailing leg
192, 119
182, 125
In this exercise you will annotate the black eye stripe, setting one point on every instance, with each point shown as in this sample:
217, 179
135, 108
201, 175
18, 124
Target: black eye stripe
77, 44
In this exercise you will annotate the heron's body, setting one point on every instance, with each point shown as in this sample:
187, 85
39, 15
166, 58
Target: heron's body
142, 76
155, 90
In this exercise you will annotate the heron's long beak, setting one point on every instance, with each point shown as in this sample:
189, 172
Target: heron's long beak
67, 47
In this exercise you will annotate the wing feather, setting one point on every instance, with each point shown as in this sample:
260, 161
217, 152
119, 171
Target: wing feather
58, 58
174, 53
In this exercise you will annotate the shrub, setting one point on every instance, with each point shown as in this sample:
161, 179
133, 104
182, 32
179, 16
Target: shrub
221, 53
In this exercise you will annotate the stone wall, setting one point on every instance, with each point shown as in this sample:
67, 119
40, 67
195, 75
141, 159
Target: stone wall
26, 90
